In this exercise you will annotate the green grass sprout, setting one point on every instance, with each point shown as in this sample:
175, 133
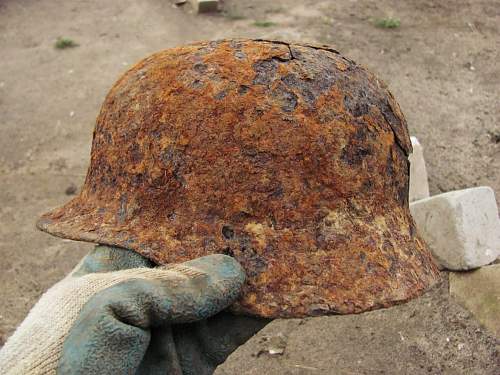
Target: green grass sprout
388, 23
63, 43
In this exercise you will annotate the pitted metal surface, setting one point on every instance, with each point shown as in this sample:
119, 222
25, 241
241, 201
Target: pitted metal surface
288, 157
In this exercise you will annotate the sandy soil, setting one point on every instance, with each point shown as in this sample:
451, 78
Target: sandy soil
442, 66
429, 335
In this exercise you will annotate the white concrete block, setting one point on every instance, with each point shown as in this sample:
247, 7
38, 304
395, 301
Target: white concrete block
461, 227
419, 185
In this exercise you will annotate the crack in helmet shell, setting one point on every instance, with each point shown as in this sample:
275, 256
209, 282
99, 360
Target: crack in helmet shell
291, 158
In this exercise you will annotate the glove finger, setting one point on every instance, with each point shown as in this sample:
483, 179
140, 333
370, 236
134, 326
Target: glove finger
212, 283
132, 302
177, 293
108, 258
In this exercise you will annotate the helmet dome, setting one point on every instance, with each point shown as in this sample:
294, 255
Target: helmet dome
290, 158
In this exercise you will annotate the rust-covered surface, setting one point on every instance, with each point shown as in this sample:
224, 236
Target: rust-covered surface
291, 158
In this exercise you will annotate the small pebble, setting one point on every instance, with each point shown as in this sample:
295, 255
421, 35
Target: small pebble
71, 190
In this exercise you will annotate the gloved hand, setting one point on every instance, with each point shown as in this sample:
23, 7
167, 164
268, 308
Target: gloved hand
115, 314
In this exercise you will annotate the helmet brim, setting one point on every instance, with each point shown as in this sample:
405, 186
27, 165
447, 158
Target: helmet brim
371, 263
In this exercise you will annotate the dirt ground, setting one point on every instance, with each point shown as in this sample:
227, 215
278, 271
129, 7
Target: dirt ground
429, 335
441, 64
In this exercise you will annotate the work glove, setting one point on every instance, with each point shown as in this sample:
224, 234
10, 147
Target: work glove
117, 314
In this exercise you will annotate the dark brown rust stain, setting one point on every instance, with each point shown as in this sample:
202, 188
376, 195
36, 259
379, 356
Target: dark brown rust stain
290, 158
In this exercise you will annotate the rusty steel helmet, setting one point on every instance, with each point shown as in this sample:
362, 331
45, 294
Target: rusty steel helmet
291, 158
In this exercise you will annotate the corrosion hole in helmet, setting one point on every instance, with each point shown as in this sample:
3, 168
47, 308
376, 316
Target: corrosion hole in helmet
200, 68
228, 251
227, 232
243, 89
220, 95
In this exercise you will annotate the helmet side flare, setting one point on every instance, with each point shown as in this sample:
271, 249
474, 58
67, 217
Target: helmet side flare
289, 157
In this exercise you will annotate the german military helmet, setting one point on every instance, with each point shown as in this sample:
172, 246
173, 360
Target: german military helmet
290, 158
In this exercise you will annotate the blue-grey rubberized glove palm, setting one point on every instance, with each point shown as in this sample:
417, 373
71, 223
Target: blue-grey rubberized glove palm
116, 314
